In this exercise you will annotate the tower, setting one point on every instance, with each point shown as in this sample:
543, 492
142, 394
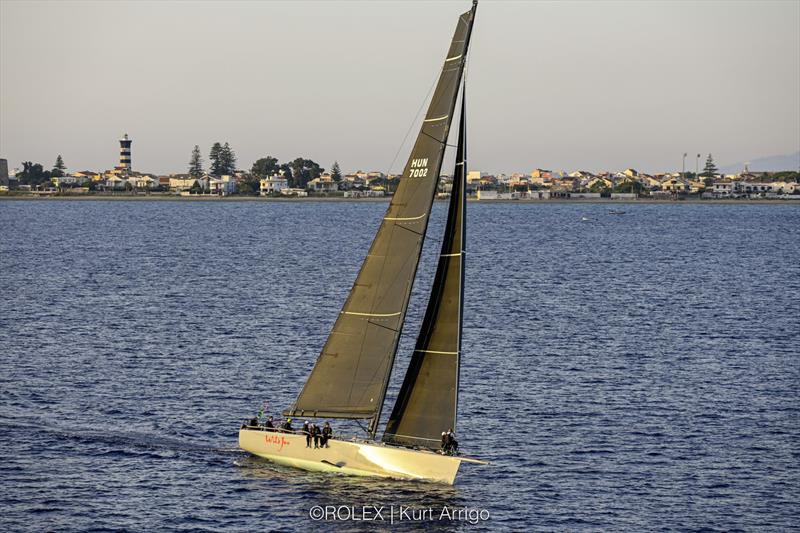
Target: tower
125, 153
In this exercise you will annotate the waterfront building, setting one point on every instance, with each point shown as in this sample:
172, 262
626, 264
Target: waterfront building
563, 185
114, 182
541, 176
352, 181
89, 174
143, 181
222, 186
630, 172
370, 193
488, 181
294, 192
650, 182
181, 184
696, 185
323, 183
581, 175
273, 184
599, 182
375, 175
675, 185
69, 181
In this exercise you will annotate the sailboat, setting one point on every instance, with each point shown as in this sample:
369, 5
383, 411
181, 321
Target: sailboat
351, 374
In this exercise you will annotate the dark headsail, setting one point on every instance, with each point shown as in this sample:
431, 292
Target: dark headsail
350, 377
428, 400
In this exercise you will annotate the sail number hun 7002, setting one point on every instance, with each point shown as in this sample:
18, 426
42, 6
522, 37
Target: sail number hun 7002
419, 168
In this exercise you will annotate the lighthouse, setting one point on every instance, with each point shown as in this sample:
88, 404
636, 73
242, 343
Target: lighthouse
125, 153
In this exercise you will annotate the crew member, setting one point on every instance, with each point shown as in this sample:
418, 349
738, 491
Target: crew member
307, 432
287, 425
269, 425
253, 422
315, 433
327, 433
451, 437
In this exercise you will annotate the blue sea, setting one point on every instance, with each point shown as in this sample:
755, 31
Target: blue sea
631, 372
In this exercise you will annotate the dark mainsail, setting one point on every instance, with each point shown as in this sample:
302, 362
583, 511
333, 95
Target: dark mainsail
351, 374
428, 399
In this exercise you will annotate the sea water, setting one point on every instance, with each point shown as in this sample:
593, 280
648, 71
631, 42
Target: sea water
620, 372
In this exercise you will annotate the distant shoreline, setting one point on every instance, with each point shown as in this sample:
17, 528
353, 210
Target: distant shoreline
171, 198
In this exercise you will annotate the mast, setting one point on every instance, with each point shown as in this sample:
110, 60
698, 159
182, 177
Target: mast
427, 403
351, 375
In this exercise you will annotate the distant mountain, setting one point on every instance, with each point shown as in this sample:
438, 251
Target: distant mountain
766, 164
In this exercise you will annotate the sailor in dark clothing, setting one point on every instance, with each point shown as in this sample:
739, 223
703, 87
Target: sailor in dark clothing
269, 425
315, 433
307, 431
327, 433
253, 422
449, 443
451, 437
287, 425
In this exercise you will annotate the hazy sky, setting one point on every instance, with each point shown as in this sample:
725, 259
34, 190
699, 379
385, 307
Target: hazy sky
561, 85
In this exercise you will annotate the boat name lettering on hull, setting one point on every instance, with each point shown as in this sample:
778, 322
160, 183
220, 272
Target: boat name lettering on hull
419, 168
277, 440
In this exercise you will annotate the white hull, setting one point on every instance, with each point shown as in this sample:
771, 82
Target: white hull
351, 457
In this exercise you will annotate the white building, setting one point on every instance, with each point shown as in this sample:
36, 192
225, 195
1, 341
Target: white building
181, 184
68, 181
143, 182
323, 183
273, 184
222, 186
294, 192
370, 193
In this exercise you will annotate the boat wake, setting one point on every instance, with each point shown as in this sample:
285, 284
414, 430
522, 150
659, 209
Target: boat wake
111, 440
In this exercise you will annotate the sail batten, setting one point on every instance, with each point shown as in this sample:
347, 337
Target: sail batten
367, 330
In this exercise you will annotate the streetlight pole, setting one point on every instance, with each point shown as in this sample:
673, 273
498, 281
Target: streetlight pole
683, 166
696, 166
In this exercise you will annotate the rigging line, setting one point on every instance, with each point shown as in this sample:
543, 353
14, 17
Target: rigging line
425, 133
411, 126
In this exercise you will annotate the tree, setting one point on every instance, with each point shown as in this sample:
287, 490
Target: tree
214, 157
286, 172
196, 163
227, 160
32, 174
786, 175
303, 171
249, 185
336, 172
710, 170
628, 186
58, 168
265, 167
599, 186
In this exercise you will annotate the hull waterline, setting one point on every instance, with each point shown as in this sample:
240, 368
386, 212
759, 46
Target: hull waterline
350, 457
